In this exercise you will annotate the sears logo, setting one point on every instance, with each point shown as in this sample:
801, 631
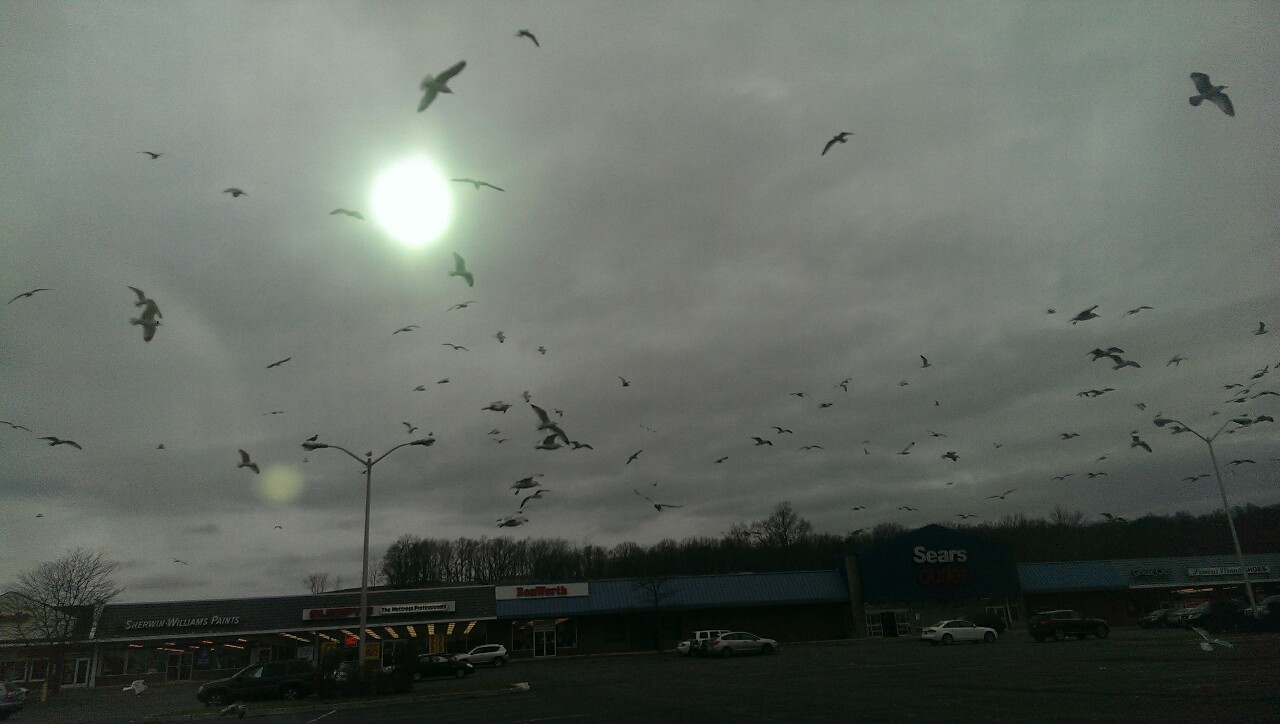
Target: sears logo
923, 555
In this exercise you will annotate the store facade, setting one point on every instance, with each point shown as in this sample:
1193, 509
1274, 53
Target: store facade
538, 620
930, 574
210, 639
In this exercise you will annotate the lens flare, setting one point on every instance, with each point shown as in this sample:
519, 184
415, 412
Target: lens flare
280, 484
412, 202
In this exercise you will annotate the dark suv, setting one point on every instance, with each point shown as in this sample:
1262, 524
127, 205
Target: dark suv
286, 679
1063, 623
1215, 616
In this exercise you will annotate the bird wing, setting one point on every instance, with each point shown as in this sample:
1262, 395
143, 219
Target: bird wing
642, 495
1222, 101
142, 296
1202, 82
827, 147
427, 97
244, 457
453, 70
495, 188
542, 414
459, 264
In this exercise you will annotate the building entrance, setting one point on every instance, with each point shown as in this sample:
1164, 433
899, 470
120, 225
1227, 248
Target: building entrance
544, 643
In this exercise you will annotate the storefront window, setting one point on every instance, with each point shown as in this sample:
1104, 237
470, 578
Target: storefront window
522, 636
39, 670
566, 633
139, 661
13, 670
113, 662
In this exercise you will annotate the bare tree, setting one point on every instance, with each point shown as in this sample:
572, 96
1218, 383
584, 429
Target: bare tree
1062, 516
319, 582
655, 591
52, 597
783, 527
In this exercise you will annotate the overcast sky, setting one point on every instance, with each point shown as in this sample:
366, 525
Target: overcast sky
667, 217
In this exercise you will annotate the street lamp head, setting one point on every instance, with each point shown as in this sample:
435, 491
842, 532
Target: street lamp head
314, 445
425, 442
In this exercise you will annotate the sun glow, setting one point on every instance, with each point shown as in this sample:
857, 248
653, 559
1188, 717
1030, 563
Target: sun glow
412, 202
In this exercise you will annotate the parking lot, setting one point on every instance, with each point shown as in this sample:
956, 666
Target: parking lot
1133, 675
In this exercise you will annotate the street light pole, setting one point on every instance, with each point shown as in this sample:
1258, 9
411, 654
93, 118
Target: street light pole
368, 461
1226, 507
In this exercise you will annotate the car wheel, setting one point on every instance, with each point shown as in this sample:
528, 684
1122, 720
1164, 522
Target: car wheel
989, 637
767, 649
947, 639
1101, 632
726, 652
417, 676
290, 692
498, 662
217, 698
460, 673
1059, 635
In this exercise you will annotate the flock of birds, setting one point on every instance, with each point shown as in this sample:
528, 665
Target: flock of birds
548, 429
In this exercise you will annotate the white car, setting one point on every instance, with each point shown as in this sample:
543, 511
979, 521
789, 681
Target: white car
955, 631
740, 642
494, 654
682, 648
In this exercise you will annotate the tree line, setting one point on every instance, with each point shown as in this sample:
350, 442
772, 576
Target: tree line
784, 540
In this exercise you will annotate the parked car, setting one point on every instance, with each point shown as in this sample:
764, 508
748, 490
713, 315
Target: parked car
956, 630
488, 654
430, 665
699, 641
284, 679
1158, 618
1215, 616
12, 698
1063, 623
740, 642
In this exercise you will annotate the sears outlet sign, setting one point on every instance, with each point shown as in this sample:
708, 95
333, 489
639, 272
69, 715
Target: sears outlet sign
936, 562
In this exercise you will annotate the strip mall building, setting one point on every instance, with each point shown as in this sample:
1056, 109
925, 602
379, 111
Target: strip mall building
892, 589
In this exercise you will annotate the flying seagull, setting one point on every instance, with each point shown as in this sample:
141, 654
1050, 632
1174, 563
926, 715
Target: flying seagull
1086, 315
542, 350
460, 270
278, 363
500, 337
27, 294
842, 137
1212, 93
858, 507
781, 430
625, 382
1113, 518
812, 447
15, 426
137, 687
656, 506
634, 455
408, 328
498, 406
1069, 435
1098, 353
1176, 361
720, 460
235, 192
578, 445
537, 495
477, 183
924, 362
908, 508
549, 442
1093, 475
150, 309
237, 710
1001, 496
245, 462
1262, 328
54, 441
1137, 442
348, 212
524, 33
512, 521
907, 450
148, 325
153, 154
432, 86
951, 455
1209, 641
175, 560
761, 441
462, 305
525, 483
409, 427
456, 347
1135, 311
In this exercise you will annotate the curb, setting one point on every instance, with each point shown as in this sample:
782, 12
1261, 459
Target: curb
342, 705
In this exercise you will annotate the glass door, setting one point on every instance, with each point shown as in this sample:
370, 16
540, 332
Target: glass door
178, 666
75, 671
544, 643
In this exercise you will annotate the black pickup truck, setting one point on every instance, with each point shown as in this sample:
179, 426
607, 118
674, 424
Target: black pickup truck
1060, 624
